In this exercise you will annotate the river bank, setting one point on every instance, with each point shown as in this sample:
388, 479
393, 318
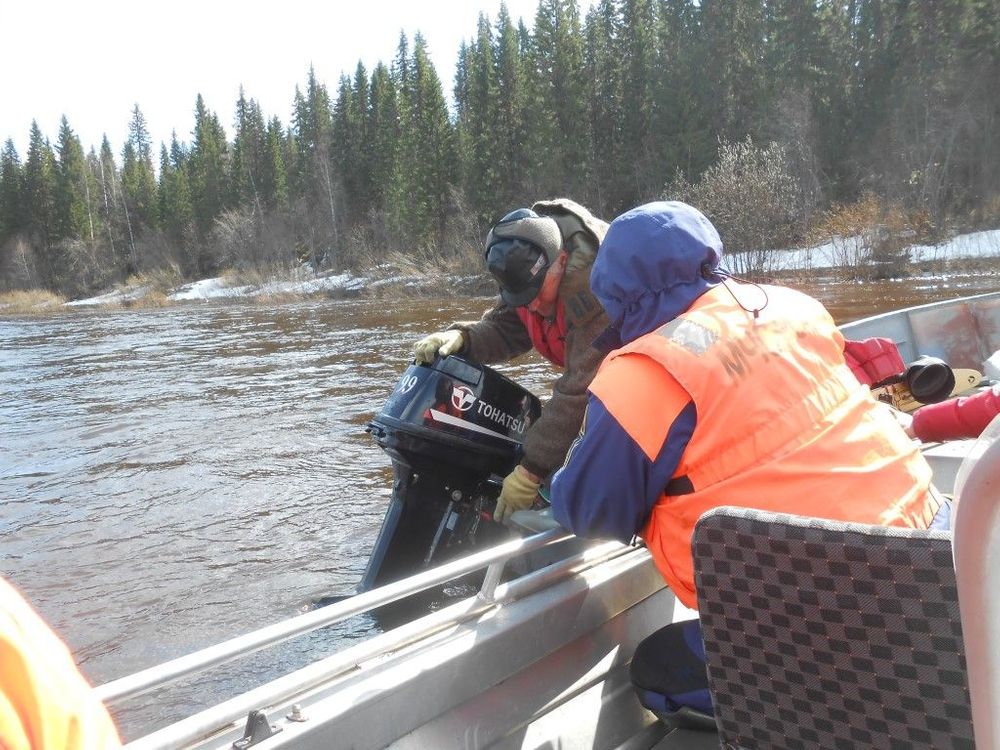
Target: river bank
283, 286
974, 254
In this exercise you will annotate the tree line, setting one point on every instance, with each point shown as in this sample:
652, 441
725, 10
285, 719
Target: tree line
633, 100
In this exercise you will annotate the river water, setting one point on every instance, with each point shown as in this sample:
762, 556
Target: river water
173, 477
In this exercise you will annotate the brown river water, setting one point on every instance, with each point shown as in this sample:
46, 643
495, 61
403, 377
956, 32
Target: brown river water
173, 477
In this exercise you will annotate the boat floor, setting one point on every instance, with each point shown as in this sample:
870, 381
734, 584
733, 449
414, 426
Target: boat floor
658, 737
688, 739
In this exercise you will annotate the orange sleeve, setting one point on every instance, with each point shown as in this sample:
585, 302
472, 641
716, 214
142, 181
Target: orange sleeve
643, 397
45, 702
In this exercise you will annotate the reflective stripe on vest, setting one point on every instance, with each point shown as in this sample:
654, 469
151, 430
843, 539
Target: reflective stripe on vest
782, 425
548, 336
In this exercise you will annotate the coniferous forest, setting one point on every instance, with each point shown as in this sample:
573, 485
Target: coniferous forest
770, 116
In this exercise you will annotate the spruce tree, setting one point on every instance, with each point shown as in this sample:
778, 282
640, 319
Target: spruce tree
461, 96
401, 64
39, 192
638, 150
977, 53
682, 126
72, 217
478, 124
175, 202
349, 138
113, 211
207, 172
274, 175
138, 180
834, 139
931, 109
510, 120
382, 134
559, 140
874, 32
249, 156
803, 68
12, 212
605, 105
732, 47
426, 164
315, 178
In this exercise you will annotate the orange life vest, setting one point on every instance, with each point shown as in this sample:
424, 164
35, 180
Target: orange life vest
782, 425
548, 335
44, 700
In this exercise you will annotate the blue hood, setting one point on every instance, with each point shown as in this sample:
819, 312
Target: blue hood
655, 261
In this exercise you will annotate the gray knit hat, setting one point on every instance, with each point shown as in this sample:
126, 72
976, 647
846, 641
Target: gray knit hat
519, 250
525, 224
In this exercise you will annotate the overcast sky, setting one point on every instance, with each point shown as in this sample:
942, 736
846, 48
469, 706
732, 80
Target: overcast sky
93, 61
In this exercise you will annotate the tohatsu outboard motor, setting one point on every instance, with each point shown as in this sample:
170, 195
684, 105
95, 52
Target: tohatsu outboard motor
453, 430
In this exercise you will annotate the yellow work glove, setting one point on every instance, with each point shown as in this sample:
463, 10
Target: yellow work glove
442, 342
520, 488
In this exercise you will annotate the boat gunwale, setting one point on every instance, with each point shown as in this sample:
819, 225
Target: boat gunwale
493, 559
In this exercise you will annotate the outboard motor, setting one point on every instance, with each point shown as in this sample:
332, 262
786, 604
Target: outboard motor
453, 430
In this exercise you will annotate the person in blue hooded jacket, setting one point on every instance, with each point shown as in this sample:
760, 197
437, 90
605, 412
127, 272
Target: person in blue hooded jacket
719, 392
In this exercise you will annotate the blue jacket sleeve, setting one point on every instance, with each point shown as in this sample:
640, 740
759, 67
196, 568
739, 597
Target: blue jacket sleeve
608, 486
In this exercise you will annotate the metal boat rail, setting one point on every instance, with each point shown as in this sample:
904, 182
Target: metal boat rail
284, 689
493, 559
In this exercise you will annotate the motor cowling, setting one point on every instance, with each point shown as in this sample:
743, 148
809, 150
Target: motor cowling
459, 411
453, 429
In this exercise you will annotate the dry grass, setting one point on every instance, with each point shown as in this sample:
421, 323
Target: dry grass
152, 298
243, 277
871, 239
33, 301
427, 272
161, 281
404, 278
274, 298
987, 214
870, 214
262, 275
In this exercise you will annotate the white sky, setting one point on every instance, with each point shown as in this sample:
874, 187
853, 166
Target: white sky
94, 60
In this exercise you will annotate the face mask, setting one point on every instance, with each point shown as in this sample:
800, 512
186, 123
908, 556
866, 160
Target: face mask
544, 304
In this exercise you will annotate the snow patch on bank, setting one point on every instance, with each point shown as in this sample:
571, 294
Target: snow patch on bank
114, 297
207, 289
219, 288
833, 254
216, 288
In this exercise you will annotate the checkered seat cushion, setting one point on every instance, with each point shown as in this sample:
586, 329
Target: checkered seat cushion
821, 634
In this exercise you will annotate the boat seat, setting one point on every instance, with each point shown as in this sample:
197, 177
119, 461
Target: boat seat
821, 634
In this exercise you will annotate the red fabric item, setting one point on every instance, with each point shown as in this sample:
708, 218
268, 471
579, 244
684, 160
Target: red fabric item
873, 360
963, 417
548, 335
